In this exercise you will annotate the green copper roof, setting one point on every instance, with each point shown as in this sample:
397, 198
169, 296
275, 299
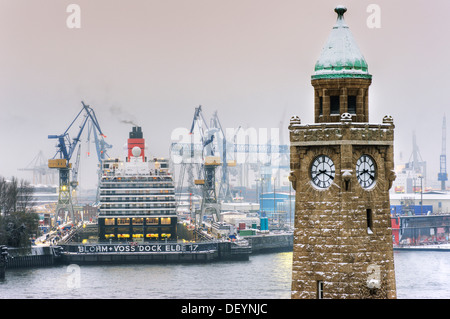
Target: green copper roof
341, 57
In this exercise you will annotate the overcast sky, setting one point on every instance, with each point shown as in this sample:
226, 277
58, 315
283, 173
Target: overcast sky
152, 62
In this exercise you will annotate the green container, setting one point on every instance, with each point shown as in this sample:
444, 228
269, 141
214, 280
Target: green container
247, 232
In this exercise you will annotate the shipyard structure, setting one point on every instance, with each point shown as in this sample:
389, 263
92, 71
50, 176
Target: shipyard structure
137, 220
137, 198
342, 170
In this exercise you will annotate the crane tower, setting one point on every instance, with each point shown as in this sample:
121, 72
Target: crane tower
442, 176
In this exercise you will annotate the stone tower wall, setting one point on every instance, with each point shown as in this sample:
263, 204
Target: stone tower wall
331, 239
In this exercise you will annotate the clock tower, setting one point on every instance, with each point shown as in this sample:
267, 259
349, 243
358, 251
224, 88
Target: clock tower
342, 170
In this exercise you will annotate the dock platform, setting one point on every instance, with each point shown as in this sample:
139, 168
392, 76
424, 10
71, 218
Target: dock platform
154, 252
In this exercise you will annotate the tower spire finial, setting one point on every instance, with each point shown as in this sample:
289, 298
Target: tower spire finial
340, 23
340, 10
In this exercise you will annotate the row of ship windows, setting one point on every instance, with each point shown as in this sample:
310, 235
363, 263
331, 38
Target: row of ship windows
140, 205
138, 221
154, 236
136, 185
138, 199
137, 232
133, 212
144, 192
139, 179
131, 191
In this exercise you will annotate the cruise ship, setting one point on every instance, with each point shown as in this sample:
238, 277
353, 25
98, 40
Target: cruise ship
137, 197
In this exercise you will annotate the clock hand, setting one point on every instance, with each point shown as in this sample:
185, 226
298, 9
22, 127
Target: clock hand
372, 177
364, 171
330, 176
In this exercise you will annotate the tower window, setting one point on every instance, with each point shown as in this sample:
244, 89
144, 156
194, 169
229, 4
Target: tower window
334, 104
369, 221
351, 104
319, 289
321, 105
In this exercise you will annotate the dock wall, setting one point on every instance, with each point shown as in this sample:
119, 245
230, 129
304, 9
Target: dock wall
271, 243
32, 257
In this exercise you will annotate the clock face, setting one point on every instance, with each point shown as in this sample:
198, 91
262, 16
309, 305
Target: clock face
366, 171
322, 171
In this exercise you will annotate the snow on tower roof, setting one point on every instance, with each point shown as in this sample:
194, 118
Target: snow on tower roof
341, 57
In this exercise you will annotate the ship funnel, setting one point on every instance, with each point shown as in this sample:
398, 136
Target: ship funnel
136, 140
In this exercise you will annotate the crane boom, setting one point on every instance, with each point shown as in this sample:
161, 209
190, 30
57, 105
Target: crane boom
65, 149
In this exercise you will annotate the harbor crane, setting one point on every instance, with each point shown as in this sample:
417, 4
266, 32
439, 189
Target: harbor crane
61, 161
416, 166
192, 153
442, 176
74, 181
41, 173
209, 164
189, 163
206, 159
224, 190
101, 147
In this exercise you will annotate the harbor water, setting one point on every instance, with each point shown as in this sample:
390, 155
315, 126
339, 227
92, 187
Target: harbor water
419, 275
